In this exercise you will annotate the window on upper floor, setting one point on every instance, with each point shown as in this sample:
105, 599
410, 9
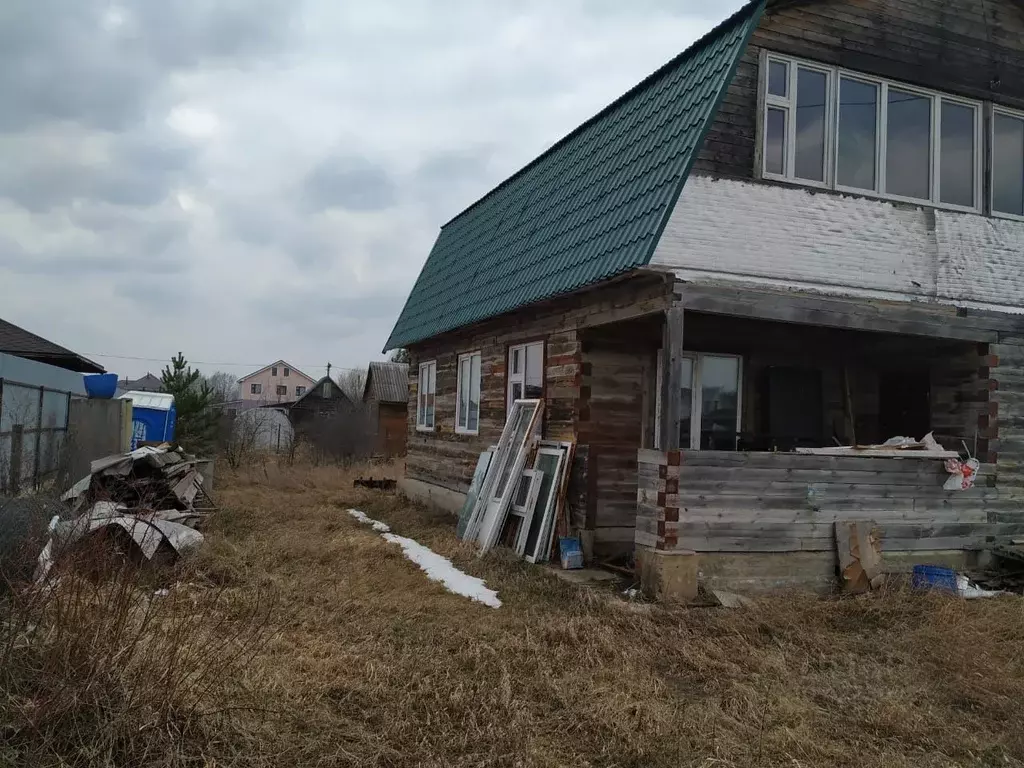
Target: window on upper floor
827, 127
1007, 162
273, 371
287, 371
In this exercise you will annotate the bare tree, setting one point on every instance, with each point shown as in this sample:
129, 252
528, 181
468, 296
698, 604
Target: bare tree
352, 382
224, 386
400, 356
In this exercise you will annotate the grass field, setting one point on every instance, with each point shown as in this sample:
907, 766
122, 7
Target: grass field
363, 661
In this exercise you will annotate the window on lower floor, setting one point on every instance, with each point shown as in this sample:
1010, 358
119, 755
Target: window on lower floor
525, 372
467, 410
426, 387
255, 389
710, 404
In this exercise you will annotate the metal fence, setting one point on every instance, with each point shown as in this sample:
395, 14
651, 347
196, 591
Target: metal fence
33, 429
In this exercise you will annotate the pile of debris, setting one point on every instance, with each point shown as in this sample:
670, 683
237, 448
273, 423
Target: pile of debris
151, 499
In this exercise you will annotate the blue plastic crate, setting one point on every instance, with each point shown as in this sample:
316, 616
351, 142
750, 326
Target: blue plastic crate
933, 577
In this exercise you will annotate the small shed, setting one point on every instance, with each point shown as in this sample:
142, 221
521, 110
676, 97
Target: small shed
386, 394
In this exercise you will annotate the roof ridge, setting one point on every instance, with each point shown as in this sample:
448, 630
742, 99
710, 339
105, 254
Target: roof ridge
674, 61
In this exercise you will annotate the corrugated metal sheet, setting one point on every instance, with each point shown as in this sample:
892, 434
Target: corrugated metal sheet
387, 383
590, 208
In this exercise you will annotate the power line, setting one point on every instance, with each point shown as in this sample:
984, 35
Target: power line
206, 362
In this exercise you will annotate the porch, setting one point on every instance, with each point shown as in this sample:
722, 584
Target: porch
718, 397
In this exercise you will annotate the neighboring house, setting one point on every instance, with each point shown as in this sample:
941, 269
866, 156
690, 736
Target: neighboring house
806, 228
324, 399
21, 343
386, 394
278, 382
148, 383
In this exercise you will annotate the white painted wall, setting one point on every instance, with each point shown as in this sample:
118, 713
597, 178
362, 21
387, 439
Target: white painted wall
727, 229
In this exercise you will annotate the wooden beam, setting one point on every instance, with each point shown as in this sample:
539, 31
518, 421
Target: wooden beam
672, 378
849, 313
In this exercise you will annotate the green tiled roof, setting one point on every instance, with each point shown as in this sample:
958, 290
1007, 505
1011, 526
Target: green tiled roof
591, 207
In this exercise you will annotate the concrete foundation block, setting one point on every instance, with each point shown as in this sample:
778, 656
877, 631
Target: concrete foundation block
432, 495
670, 576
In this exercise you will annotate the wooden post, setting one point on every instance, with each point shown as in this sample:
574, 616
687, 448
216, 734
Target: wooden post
672, 378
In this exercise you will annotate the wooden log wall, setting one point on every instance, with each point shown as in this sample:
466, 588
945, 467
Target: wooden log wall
618, 366
718, 502
972, 49
445, 458
1006, 415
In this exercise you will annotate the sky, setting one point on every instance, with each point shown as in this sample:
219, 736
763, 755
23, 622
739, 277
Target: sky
251, 180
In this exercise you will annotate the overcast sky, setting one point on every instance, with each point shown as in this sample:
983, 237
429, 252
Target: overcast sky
248, 180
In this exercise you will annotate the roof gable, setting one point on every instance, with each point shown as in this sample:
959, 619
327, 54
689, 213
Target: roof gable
590, 208
316, 391
387, 382
16, 341
279, 364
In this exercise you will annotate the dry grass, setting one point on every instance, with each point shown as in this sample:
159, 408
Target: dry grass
372, 664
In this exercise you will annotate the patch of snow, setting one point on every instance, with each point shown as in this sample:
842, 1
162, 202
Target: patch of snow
362, 518
436, 567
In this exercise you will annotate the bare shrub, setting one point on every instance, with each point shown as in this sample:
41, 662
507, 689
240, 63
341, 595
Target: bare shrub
97, 667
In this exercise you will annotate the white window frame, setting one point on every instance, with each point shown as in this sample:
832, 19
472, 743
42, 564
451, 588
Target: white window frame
462, 424
428, 372
1017, 115
520, 378
832, 88
697, 402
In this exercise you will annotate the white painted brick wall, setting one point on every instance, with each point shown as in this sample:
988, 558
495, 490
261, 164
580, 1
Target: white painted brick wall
747, 231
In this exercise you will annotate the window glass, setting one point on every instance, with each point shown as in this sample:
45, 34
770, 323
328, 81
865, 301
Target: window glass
858, 121
287, 371
956, 164
686, 406
473, 419
300, 390
534, 388
811, 90
282, 390
775, 141
778, 78
1008, 164
273, 371
516, 358
719, 382
908, 151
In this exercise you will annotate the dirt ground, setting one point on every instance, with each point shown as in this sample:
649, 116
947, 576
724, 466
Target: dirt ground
373, 664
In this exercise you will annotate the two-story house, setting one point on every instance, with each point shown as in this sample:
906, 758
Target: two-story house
806, 230
278, 382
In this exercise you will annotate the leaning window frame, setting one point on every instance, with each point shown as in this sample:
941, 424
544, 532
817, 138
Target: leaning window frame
460, 430
991, 137
834, 78
421, 424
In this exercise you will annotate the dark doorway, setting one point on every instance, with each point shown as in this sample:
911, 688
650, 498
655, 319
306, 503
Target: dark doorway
904, 404
793, 411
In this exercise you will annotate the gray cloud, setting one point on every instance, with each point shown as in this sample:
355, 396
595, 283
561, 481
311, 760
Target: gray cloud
270, 174
352, 183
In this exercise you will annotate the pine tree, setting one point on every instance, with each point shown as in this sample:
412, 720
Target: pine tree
194, 401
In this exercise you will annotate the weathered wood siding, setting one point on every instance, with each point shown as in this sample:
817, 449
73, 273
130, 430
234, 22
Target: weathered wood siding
1006, 414
445, 458
618, 365
754, 503
972, 49
392, 428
